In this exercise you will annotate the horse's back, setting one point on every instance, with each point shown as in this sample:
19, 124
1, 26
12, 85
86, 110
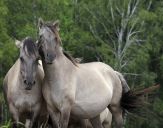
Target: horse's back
99, 68
97, 65
99, 72
111, 77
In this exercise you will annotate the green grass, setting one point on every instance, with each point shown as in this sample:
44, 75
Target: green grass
6, 125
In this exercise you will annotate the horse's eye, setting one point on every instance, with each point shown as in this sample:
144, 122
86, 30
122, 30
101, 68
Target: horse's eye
21, 58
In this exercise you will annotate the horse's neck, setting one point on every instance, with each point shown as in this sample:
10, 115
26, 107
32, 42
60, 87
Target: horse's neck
59, 67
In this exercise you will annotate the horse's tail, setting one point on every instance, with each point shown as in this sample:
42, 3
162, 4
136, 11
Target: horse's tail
125, 87
133, 99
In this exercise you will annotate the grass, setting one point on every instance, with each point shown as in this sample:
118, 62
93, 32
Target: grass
6, 125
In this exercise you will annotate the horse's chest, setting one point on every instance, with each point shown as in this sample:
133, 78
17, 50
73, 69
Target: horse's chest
53, 97
24, 102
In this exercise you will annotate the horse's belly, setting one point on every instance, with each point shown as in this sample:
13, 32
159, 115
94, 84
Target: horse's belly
91, 105
87, 110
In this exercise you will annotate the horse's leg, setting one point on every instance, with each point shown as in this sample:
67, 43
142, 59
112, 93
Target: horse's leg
116, 111
108, 120
54, 116
15, 116
27, 123
14, 123
85, 123
32, 116
106, 124
96, 122
65, 114
78, 123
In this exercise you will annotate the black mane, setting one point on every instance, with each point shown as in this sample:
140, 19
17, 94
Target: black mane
73, 60
29, 47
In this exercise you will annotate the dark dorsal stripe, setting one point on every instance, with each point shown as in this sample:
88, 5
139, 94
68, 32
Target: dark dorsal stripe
73, 60
29, 47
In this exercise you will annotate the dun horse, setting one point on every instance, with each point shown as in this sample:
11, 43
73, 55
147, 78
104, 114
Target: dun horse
84, 90
22, 85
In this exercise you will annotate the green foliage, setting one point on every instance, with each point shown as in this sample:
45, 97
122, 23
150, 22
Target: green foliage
7, 125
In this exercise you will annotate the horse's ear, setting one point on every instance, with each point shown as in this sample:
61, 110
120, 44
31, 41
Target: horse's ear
18, 43
40, 22
56, 25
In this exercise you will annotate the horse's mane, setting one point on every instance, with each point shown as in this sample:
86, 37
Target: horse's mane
73, 60
50, 26
29, 47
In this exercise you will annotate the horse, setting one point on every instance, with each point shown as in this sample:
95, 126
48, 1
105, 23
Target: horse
83, 90
22, 86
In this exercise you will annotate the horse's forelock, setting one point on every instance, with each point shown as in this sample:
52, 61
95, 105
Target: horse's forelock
29, 47
54, 30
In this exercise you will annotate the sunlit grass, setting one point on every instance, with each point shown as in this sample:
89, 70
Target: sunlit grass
6, 125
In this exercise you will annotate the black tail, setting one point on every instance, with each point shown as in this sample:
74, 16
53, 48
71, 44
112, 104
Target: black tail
133, 100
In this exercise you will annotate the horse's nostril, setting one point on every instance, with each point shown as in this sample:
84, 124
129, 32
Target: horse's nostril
34, 82
25, 81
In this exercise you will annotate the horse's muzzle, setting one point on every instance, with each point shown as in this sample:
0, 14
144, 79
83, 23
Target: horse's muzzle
50, 58
28, 87
29, 84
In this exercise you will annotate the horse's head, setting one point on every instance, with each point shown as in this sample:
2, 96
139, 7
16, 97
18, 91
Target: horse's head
28, 61
49, 40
